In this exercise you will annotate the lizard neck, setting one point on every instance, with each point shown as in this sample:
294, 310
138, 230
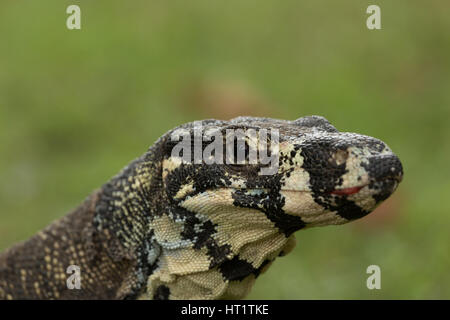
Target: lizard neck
104, 240
37, 268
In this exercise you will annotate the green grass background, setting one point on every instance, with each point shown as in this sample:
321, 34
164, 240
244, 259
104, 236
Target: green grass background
76, 106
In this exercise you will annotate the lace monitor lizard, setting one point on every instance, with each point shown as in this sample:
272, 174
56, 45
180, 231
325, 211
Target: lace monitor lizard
166, 229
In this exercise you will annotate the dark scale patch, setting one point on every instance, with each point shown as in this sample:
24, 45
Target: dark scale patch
213, 176
178, 178
271, 204
201, 233
324, 173
236, 269
217, 253
348, 209
206, 230
258, 271
204, 177
384, 171
384, 188
162, 293
383, 167
341, 205
210, 177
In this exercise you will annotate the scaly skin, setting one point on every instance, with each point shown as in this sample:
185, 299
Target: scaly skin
163, 229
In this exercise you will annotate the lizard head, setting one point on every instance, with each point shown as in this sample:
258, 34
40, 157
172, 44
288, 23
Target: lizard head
231, 215
318, 174
213, 203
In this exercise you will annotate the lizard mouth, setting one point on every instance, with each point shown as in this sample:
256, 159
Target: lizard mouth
386, 185
346, 191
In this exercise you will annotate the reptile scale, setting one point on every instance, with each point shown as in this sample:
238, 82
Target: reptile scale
166, 229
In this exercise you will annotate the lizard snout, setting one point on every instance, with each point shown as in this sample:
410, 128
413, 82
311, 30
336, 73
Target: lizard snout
385, 166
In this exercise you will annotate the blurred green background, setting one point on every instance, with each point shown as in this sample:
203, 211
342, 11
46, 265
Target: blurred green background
76, 106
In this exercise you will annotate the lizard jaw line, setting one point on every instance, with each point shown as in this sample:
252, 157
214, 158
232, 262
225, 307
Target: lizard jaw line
340, 192
346, 191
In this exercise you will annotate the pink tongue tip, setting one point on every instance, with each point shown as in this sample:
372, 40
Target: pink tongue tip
346, 191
